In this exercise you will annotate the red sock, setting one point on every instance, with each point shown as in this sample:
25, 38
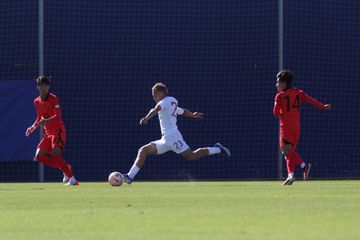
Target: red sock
290, 166
48, 161
64, 166
294, 157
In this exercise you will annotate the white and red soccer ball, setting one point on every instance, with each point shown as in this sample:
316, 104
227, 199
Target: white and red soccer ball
116, 179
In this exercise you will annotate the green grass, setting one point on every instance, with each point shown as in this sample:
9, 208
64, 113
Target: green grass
181, 210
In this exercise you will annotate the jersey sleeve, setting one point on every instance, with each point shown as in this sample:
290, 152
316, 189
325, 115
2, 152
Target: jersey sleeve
36, 123
179, 111
57, 112
278, 105
307, 98
162, 105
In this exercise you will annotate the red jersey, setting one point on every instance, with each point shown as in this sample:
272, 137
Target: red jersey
49, 109
287, 104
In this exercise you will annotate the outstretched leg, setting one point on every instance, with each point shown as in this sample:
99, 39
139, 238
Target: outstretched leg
203, 152
195, 155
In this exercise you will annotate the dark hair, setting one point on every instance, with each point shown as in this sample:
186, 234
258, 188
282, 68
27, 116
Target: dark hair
286, 76
160, 87
42, 79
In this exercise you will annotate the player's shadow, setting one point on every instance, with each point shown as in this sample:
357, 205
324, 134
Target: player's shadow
184, 177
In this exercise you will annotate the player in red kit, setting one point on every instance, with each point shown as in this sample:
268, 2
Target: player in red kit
287, 104
52, 145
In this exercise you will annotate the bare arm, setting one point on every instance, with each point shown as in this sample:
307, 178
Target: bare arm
151, 114
190, 114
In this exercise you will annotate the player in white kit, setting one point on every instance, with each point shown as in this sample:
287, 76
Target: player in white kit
167, 109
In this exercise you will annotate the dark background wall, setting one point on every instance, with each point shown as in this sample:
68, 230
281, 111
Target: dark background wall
217, 57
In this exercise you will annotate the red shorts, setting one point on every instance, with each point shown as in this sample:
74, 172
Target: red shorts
289, 137
53, 140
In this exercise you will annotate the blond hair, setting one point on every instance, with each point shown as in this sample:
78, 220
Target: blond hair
160, 87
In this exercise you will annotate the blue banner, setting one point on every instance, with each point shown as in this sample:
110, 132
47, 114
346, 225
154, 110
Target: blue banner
17, 113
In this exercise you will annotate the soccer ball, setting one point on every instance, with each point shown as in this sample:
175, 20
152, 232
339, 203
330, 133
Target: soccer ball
116, 179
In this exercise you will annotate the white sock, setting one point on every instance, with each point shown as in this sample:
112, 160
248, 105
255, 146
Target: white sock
72, 180
291, 175
133, 171
303, 165
213, 150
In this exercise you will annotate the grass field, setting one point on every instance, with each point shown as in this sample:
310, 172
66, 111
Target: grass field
181, 210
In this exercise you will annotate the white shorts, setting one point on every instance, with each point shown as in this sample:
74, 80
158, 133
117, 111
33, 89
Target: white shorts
172, 142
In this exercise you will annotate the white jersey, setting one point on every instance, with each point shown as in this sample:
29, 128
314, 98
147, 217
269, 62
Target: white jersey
168, 115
